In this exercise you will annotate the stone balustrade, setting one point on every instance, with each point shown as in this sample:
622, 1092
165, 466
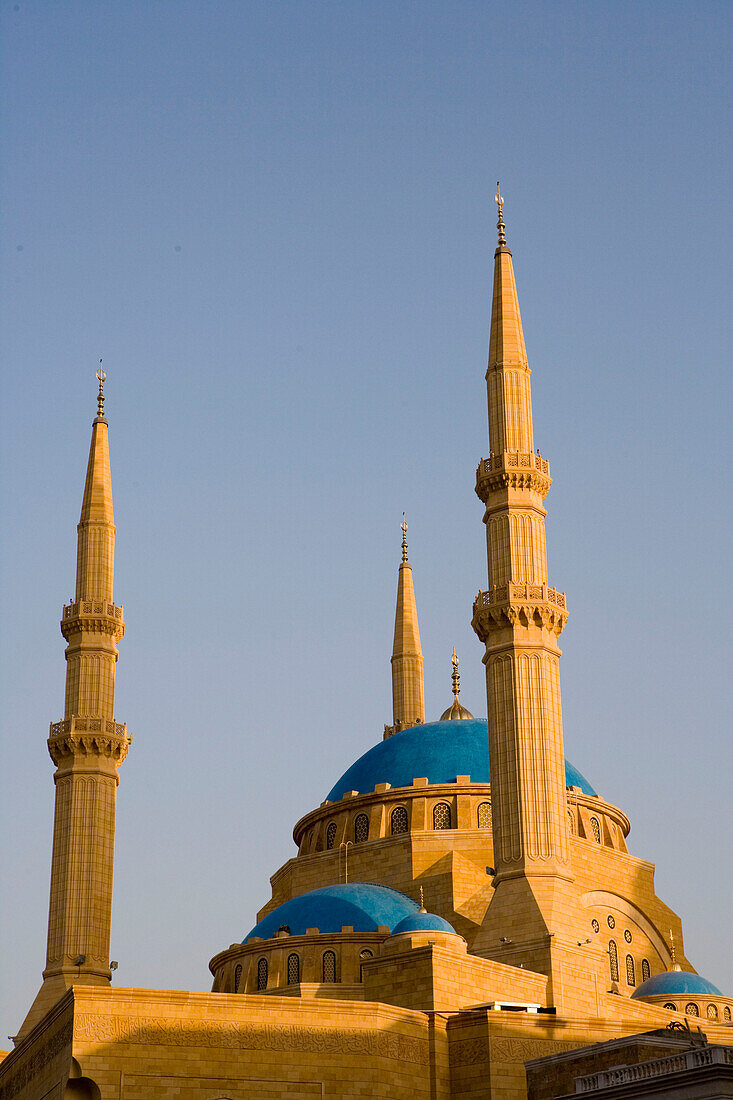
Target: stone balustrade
659, 1067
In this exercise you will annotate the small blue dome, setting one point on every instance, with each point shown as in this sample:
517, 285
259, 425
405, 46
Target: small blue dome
364, 906
675, 983
438, 750
423, 922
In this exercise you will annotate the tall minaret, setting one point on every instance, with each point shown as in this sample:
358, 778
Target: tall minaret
87, 748
408, 693
519, 619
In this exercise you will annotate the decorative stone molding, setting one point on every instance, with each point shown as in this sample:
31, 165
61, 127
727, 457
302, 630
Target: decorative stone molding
95, 616
512, 470
88, 737
523, 604
286, 1037
23, 1071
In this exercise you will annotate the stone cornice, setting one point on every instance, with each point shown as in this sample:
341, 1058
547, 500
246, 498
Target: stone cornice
76, 737
519, 604
512, 470
95, 616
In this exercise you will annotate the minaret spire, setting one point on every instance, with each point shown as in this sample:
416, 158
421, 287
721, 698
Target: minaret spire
87, 747
408, 693
519, 619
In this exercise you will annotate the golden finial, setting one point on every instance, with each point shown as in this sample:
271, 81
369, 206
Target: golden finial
675, 964
422, 901
455, 677
498, 199
101, 378
403, 525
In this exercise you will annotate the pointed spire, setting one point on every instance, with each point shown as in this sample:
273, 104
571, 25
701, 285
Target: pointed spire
507, 375
408, 693
456, 711
96, 530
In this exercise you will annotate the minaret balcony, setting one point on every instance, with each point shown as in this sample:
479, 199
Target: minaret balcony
512, 470
92, 615
88, 736
519, 604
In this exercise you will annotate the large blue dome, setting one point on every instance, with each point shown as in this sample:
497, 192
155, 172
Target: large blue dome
676, 983
364, 906
438, 750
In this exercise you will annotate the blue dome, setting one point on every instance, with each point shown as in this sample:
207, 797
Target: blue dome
675, 983
438, 750
423, 922
364, 906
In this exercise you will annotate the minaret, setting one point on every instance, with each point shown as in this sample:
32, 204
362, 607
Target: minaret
87, 748
408, 693
519, 619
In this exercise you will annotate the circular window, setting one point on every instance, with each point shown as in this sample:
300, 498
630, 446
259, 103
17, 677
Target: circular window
692, 1010
595, 925
627, 936
611, 921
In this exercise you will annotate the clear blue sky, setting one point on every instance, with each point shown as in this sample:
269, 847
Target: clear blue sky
274, 221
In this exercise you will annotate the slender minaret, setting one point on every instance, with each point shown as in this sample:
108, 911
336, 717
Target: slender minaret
519, 619
87, 748
408, 693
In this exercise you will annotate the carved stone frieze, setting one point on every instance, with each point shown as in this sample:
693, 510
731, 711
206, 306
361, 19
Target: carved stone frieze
519, 604
471, 1052
512, 470
22, 1071
88, 737
285, 1037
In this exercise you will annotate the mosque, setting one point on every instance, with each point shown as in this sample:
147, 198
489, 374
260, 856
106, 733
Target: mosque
462, 901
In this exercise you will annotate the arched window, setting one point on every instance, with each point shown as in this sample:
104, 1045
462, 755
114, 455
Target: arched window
329, 966
441, 816
331, 834
571, 821
595, 829
712, 1012
613, 960
630, 971
262, 974
670, 1006
361, 828
365, 953
483, 815
398, 820
726, 1013
237, 977
645, 969
293, 969
692, 1009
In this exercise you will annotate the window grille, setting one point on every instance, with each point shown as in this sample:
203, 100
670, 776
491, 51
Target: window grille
329, 966
712, 1012
293, 969
399, 821
484, 815
595, 925
361, 828
611, 921
627, 935
613, 960
670, 1006
595, 829
366, 954
237, 978
331, 834
630, 971
645, 969
692, 1010
262, 974
441, 816
726, 1013
571, 821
